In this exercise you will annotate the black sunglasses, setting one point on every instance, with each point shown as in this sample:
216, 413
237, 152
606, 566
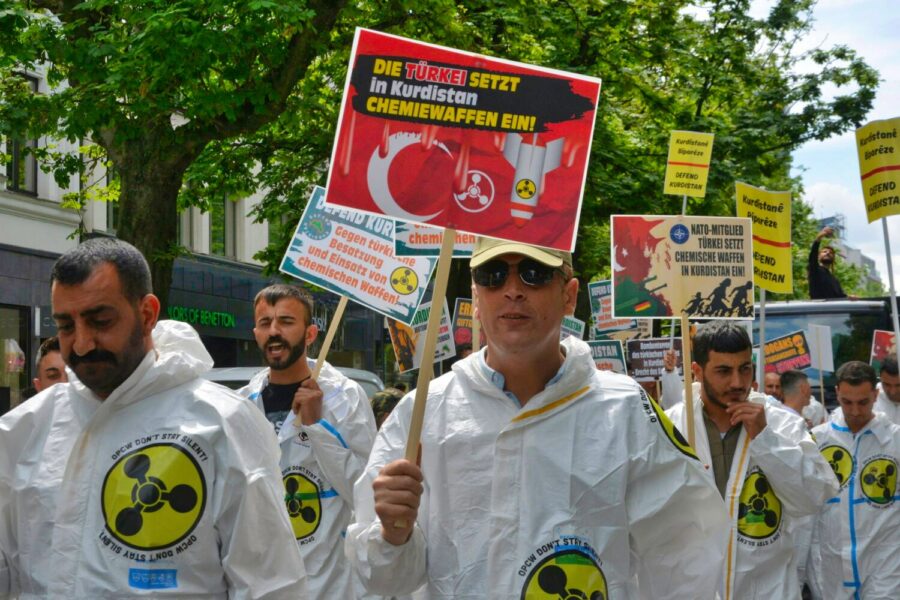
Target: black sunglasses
532, 273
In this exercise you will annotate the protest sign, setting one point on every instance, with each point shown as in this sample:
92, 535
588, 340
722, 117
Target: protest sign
608, 356
884, 344
408, 339
352, 254
878, 148
820, 350
600, 296
664, 266
462, 323
571, 327
414, 239
771, 216
645, 357
787, 352
687, 166
435, 135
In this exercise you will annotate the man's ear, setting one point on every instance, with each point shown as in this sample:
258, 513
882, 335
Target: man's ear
696, 371
312, 331
148, 308
570, 290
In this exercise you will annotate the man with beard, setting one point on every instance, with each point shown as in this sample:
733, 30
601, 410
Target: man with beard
137, 477
822, 282
325, 427
766, 466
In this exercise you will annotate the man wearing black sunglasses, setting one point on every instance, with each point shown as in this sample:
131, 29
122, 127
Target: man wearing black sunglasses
539, 475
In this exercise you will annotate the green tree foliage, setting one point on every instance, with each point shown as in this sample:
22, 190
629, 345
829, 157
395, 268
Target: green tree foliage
257, 87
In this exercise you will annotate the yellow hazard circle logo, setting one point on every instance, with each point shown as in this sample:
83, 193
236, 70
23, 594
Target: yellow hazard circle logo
525, 189
759, 509
563, 575
841, 462
878, 480
404, 280
669, 429
301, 497
153, 497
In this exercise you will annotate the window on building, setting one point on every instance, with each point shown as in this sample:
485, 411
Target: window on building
222, 228
112, 208
22, 171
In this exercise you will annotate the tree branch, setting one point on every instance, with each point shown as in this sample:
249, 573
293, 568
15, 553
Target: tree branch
301, 52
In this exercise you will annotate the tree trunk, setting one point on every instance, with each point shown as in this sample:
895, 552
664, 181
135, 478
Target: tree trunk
151, 171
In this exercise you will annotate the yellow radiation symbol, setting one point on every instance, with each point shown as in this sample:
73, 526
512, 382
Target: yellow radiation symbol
525, 189
841, 462
404, 280
759, 511
671, 431
153, 497
879, 480
563, 575
301, 497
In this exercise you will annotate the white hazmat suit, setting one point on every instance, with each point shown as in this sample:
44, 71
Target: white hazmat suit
168, 487
775, 479
575, 493
319, 465
855, 552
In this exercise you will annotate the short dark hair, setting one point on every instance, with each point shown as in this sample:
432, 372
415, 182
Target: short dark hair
719, 336
49, 345
791, 380
279, 291
889, 365
76, 265
855, 372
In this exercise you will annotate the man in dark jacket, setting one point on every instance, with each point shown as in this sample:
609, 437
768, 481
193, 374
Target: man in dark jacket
822, 282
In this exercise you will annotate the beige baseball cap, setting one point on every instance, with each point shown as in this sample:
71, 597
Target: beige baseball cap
490, 248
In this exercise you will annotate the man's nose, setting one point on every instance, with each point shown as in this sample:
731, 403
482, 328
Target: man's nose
83, 341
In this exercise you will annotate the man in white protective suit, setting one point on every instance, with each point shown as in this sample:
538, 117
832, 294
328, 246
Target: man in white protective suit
137, 478
855, 550
764, 463
325, 453
540, 475
888, 401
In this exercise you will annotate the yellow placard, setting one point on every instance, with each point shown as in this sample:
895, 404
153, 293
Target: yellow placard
879, 167
771, 216
687, 167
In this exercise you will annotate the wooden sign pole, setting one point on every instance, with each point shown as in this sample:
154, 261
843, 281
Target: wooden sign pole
688, 389
326, 345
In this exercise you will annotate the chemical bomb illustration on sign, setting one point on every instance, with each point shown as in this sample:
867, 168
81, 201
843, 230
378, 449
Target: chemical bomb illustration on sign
566, 575
404, 281
841, 462
301, 497
153, 497
759, 512
879, 480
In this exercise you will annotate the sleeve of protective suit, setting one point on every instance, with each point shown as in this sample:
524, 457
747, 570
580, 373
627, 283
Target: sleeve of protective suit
672, 389
384, 568
798, 472
8, 586
677, 519
259, 553
342, 448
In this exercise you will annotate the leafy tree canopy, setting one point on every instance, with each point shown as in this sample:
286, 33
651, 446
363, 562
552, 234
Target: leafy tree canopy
194, 99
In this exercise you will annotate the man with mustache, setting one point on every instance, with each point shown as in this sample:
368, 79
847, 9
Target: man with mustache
765, 464
822, 282
137, 477
325, 427
539, 476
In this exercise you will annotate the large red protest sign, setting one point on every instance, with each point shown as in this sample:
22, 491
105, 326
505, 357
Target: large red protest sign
436, 135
